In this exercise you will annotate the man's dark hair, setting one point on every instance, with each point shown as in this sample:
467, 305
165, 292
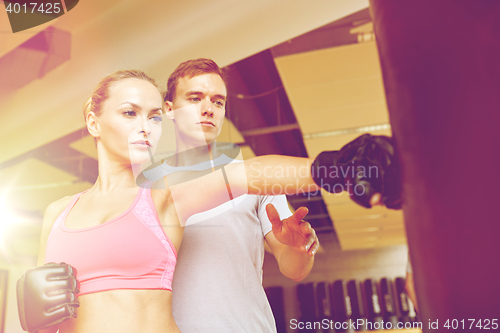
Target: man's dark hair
191, 68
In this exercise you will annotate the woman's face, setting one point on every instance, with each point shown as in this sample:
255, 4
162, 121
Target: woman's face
130, 122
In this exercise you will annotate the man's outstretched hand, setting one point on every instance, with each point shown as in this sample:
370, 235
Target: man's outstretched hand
293, 231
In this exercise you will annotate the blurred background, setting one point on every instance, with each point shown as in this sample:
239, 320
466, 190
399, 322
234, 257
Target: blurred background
303, 77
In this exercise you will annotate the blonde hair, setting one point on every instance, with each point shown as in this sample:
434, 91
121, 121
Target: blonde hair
101, 93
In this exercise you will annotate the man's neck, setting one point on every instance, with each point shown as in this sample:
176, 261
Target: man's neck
192, 155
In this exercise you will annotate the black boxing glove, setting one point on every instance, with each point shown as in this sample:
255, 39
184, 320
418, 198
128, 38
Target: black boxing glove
365, 166
47, 295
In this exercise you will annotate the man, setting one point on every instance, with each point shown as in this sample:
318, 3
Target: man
218, 279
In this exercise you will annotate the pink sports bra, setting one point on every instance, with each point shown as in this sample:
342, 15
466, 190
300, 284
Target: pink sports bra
130, 251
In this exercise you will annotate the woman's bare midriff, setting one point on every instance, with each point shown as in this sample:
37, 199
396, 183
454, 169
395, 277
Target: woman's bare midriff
122, 311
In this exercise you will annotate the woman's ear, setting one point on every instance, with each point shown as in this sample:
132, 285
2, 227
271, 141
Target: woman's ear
92, 124
169, 110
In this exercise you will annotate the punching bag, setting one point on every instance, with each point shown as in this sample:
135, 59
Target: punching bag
441, 70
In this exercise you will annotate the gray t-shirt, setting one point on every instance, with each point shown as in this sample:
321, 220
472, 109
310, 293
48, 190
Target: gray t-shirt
217, 284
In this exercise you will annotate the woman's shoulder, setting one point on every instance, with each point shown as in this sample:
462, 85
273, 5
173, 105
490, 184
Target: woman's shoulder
54, 210
51, 213
58, 206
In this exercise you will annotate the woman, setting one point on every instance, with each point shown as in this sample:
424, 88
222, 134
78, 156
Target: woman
122, 238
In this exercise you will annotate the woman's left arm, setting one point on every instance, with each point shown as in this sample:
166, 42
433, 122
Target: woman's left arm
263, 175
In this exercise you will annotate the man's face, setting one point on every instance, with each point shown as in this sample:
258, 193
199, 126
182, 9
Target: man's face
198, 108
